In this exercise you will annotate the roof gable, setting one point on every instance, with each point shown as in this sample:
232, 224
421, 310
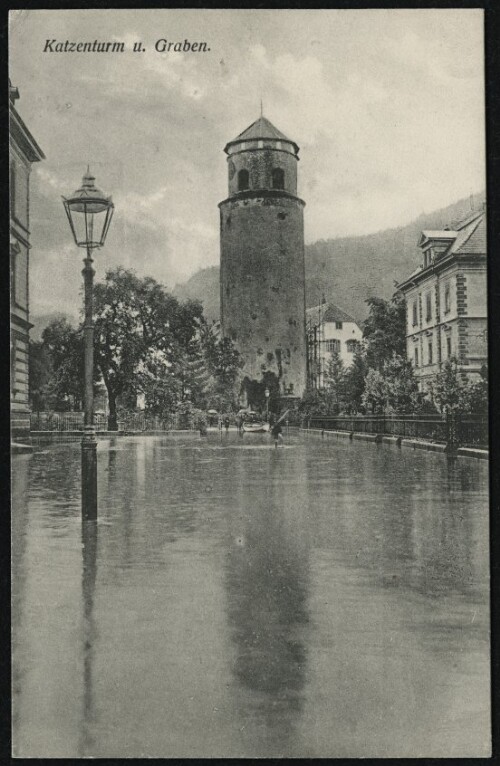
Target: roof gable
328, 312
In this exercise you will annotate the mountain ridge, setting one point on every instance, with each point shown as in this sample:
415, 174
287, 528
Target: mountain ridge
346, 270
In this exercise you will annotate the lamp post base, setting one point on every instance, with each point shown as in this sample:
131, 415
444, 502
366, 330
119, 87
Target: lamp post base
89, 474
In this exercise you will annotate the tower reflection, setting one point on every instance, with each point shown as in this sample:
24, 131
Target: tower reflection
267, 592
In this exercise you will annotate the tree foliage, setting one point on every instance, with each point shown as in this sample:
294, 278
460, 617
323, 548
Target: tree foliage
455, 394
56, 367
336, 384
385, 330
223, 364
143, 340
355, 381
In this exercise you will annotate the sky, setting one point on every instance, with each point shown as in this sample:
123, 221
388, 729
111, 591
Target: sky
387, 107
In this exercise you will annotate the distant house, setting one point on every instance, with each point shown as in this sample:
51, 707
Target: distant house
23, 152
329, 329
446, 300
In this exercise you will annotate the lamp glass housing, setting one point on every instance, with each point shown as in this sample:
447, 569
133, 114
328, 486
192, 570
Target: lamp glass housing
89, 214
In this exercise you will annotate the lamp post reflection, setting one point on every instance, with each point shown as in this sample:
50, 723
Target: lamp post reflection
89, 574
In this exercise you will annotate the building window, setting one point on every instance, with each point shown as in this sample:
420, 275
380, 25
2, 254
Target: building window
243, 180
333, 346
428, 308
260, 144
414, 314
448, 346
447, 299
338, 325
352, 345
416, 357
429, 348
13, 253
278, 178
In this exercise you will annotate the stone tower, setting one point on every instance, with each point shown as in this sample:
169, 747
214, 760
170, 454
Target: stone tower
262, 278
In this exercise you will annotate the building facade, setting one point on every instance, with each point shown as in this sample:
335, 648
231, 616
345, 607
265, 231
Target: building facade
23, 152
446, 300
330, 330
262, 274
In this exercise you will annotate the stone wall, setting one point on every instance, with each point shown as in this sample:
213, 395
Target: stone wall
263, 284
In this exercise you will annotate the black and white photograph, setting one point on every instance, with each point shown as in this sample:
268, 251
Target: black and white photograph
249, 384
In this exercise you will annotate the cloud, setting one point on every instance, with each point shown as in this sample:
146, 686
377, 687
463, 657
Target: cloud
386, 106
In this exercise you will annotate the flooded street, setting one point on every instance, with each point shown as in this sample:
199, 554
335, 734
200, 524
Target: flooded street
325, 599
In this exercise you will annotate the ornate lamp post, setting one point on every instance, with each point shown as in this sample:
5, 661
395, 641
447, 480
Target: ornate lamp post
266, 394
89, 214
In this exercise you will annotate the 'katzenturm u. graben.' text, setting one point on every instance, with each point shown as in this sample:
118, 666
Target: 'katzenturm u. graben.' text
102, 46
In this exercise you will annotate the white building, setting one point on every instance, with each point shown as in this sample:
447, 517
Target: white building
330, 329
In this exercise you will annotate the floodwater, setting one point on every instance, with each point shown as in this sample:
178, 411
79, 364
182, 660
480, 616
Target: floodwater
323, 599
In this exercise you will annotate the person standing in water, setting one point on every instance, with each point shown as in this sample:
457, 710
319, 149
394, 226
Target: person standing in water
277, 432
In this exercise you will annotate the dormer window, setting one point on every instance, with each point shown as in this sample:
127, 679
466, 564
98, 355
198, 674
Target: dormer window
278, 178
243, 180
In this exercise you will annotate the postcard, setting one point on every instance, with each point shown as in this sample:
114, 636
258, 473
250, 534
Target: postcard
249, 384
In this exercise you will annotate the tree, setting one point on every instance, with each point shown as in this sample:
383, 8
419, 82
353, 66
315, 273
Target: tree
63, 347
313, 403
478, 393
142, 340
355, 381
385, 330
40, 374
336, 383
402, 387
223, 363
376, 393
449, 390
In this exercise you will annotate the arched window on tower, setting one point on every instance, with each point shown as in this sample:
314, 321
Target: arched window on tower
278, 178
242, 180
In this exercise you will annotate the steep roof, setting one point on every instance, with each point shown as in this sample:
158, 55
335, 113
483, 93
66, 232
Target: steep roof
262, 128
471, 236
329, 313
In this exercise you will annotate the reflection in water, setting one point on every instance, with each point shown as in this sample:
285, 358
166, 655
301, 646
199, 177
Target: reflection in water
89, 575
267, 582
324, 599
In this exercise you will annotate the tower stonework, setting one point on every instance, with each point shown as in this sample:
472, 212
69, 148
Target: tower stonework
262, 276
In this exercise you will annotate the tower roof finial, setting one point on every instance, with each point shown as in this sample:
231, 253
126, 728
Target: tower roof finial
261, 108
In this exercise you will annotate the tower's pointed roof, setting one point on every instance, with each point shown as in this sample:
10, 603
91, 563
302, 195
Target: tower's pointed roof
261, 129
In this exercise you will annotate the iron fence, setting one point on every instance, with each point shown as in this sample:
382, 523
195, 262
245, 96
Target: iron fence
456, 430
74, 421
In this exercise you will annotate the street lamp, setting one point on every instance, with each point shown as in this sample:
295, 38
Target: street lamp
89, 214
266, 394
